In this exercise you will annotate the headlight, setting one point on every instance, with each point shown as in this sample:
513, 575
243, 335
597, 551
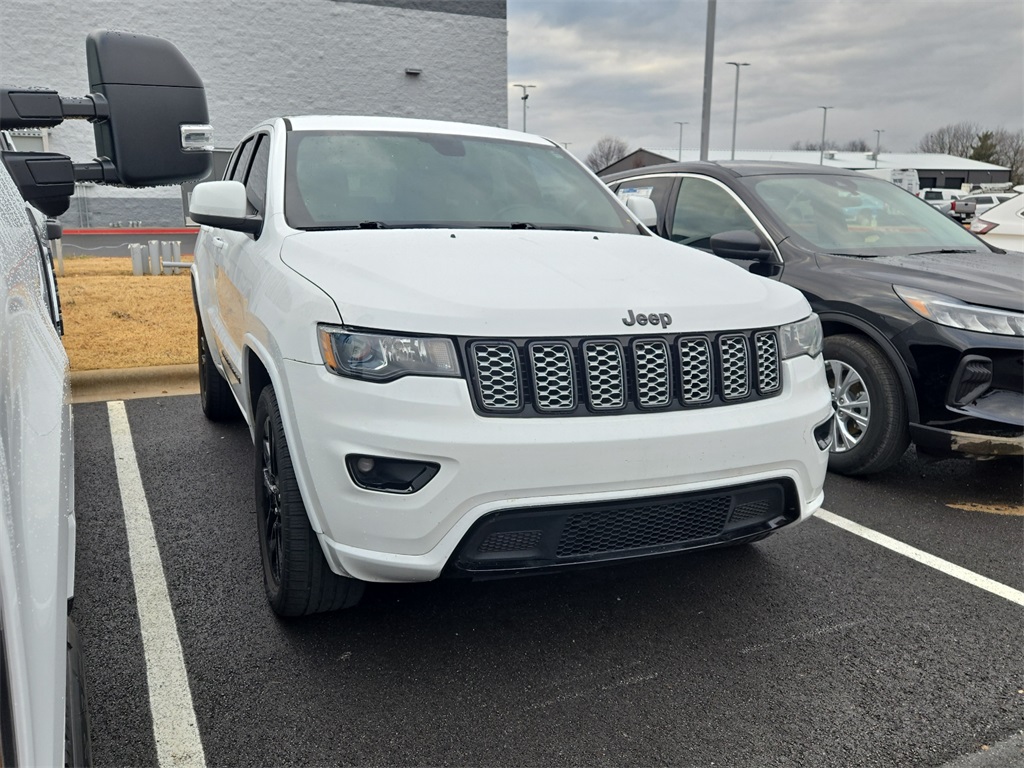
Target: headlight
945, 310
383, 357
803, 338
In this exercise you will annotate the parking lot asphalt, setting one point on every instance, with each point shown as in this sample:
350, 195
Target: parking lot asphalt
816, 647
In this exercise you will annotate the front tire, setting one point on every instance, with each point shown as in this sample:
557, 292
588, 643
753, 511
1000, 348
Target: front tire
297, 579
869, 422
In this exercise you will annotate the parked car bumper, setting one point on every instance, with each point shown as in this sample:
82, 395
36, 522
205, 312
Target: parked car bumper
489, 465
970, 389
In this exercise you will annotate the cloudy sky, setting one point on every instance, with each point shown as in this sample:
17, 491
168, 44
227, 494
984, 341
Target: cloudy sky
631, 68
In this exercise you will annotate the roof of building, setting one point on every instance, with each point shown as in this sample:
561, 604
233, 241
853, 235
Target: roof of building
922, 161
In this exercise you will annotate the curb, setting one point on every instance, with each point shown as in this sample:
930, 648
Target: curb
131, 383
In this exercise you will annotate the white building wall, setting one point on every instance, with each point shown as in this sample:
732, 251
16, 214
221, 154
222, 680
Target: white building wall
263, 58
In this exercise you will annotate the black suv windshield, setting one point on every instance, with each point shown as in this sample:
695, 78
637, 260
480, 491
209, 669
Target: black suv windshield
380, 180
859, 216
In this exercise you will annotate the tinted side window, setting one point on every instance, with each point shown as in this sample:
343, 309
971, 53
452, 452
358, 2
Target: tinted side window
655, 188
704, 209
241, 161
256, 182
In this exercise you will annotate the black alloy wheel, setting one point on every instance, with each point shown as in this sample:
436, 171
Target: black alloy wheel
296, 576
215, 396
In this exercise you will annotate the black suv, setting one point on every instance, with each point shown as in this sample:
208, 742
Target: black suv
923, 321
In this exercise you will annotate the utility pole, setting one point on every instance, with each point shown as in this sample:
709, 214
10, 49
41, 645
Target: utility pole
680, 158
878, 143
736, 103
525, 97
824, 117
709, 58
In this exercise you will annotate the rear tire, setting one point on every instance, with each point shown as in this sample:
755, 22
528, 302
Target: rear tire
869, 423
297, 579
214, 393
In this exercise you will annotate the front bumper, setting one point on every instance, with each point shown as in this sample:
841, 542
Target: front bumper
970, 391
490, 465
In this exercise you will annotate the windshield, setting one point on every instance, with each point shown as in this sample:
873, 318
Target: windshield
859, 216
374, 180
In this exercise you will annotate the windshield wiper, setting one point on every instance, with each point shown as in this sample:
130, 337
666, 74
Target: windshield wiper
522, 225
946, 250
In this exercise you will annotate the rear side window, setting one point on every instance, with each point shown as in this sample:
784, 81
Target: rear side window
237, 172
256, 181
655, 188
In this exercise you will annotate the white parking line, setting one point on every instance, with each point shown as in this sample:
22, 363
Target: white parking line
944, 566
170, 699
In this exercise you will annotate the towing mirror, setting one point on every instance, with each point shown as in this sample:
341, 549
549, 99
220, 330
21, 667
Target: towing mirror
148, 107
157, 131
739, 244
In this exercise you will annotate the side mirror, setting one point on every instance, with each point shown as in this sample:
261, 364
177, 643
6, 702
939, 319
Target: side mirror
222, 204
157, 131
643, 208
740, 244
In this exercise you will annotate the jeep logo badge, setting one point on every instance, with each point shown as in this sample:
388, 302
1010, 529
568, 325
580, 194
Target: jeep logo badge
664, 319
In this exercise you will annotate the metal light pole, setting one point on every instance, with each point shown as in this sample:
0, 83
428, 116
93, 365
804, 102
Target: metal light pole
525, 97
824, 117
681, 139
878, 143
736, 103
709, 57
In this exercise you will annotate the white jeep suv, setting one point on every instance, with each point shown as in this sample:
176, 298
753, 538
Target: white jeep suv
459, 354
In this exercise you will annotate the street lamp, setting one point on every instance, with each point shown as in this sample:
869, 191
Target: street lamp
681, 139
878, 143
736, 103
525, 97
824, 117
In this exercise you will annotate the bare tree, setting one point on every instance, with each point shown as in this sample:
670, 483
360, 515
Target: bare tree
814, 146
1010, 152
857, 145
606, 151
956, 139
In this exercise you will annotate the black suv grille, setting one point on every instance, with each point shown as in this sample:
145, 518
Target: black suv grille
580, 376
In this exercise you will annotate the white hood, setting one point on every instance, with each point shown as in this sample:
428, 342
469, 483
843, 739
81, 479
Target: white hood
517, 283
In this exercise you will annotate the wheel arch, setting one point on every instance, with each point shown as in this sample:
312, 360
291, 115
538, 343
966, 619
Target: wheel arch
835, 324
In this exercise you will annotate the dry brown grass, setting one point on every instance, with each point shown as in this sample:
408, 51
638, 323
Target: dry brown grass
113, 319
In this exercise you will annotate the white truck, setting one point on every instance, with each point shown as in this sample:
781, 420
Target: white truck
43, 712
459, 354
905, 178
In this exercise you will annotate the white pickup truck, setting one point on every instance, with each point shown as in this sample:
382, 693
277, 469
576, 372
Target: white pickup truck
459, 354
43, 712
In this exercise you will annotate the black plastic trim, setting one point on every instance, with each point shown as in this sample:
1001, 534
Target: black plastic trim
471, 559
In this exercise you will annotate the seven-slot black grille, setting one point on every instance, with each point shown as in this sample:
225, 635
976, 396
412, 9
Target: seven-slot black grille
580, 376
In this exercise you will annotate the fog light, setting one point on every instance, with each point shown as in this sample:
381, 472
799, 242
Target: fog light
823, 435
972, 379
377, 473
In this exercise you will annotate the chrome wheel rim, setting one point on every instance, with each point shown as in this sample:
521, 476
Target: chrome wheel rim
851, 406
271, 500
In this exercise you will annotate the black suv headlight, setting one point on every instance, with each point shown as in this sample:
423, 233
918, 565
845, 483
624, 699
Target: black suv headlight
945, 310
384, 357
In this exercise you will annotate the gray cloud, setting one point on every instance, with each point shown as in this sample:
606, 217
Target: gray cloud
631, 69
